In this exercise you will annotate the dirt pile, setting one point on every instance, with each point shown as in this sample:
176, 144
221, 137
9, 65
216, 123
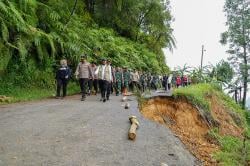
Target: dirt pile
186, 122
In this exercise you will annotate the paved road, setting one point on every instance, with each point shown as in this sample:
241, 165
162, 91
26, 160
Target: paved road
157, 93
73, 133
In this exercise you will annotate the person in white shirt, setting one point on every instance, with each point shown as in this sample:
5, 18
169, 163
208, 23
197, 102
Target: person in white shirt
104, 74
170, 77
135, 80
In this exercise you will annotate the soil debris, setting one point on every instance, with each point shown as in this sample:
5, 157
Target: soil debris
185, 121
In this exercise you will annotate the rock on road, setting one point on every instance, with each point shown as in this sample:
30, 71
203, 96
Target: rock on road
91, 133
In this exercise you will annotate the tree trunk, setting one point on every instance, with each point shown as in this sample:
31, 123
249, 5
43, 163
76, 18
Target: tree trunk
132, 131
90, 6
235, 95
245, 76
240, 93
134, 124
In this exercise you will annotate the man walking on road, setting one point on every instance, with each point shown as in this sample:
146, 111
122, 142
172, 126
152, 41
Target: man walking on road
118, 81
92, 81
110, 83
104, 73
83, 73
126, 80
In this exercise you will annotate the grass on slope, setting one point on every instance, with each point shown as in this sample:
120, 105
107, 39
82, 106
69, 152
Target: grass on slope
234, 150
196, 94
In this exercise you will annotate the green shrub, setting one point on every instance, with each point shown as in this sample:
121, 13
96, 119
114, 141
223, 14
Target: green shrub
233, 151
196, 94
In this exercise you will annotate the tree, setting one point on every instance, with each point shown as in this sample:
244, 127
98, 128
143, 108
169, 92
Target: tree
35, 34
222, 72
144, 21
183, 70
238, 38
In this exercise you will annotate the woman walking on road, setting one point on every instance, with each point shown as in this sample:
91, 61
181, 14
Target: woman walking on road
62, 77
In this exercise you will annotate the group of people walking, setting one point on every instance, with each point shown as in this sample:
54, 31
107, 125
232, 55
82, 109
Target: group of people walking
106, 79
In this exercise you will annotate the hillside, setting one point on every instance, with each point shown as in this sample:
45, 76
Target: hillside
35, 35
208, 122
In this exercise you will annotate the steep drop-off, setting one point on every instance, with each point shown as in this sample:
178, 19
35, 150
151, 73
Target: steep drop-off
188, 123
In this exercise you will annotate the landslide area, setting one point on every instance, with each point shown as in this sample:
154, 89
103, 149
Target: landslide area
201, 129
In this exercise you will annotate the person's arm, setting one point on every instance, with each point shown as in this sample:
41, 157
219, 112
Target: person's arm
68, 71
90, 73
97, 70
77, 70
113, 74
122, 78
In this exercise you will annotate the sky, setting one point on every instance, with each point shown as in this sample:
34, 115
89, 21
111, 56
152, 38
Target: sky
197, 23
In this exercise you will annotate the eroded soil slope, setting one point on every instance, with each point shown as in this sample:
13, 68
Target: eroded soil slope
188, 124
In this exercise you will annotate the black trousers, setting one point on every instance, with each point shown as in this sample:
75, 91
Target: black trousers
169, 86
95, 83
153, 86
105, 87
83, 84
109, 89
135, 86
143, 87
61, 84
92, 83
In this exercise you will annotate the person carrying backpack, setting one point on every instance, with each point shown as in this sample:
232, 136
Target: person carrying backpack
62, 77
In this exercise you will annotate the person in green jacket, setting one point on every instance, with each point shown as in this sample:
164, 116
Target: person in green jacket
126, 80
119, 81
143, 81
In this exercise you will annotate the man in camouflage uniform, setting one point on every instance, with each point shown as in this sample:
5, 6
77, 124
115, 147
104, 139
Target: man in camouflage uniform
143, 81
119, 81
126, 80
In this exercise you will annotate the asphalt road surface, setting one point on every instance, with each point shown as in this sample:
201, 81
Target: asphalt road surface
70, 132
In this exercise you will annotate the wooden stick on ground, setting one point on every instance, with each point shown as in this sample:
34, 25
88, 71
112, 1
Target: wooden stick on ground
134, 125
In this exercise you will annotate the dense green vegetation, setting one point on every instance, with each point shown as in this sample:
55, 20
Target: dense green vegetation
36, 34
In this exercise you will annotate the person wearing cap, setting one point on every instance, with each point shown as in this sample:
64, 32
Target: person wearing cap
83, 72
62, 77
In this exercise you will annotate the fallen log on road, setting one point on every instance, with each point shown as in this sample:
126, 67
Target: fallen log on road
134, 125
